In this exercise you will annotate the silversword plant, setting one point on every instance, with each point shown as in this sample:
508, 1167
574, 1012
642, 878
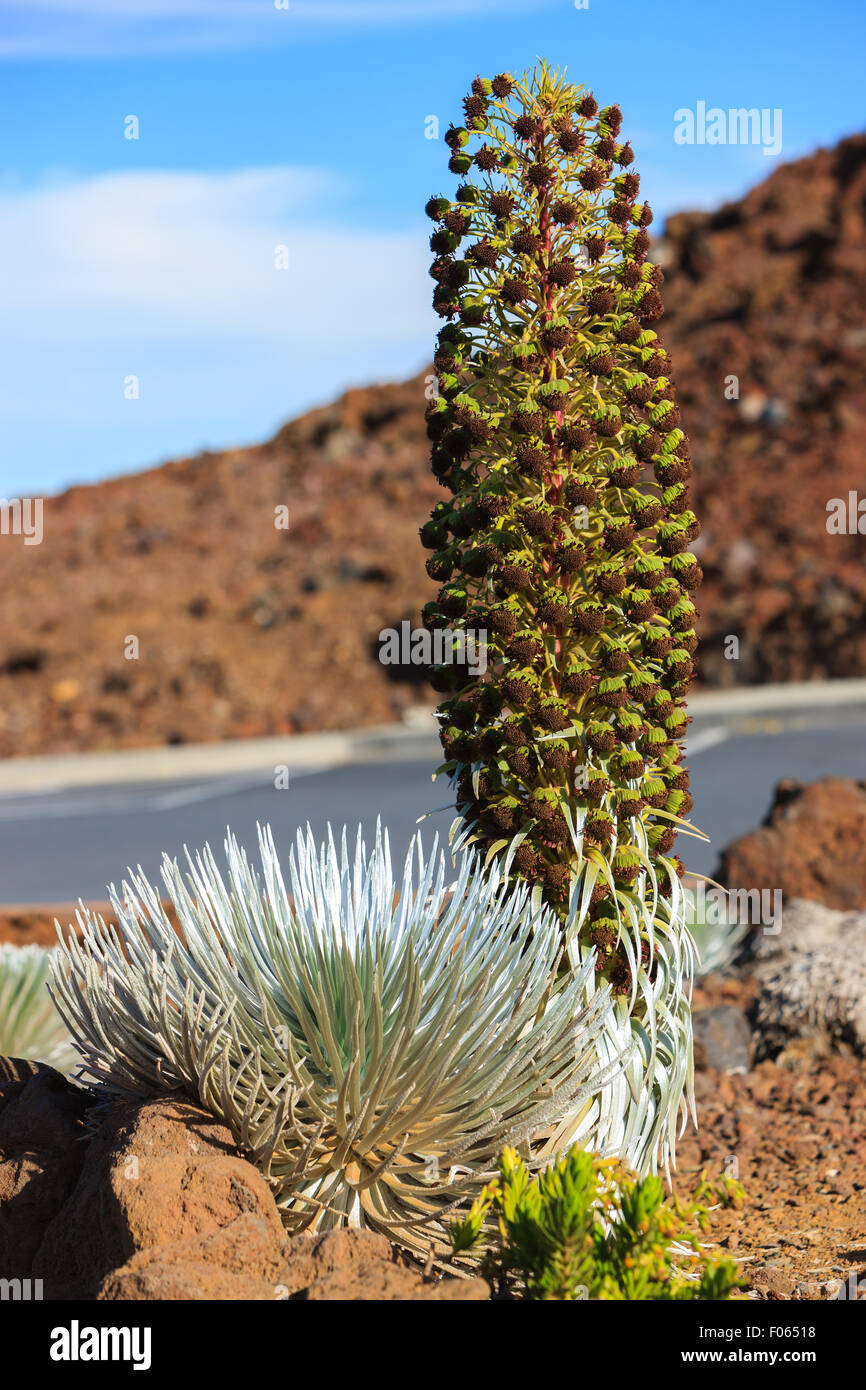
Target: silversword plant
371, 1044
30, 1026
565, 535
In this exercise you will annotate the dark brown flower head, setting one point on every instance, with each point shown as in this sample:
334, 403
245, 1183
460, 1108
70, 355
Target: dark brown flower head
518, 762
491, 505
441, 241
575, 437
612, 117
514, 577
527, 421
619, 212
608, 426
630, 185
641, 242
646, 215
515, 289
570, 141
595, 248
589, 618
648, 444
618, 537
526, 861
514, 733
630, 275
486, 158
554, 755
562, 272
501, 204
600, 363
480, 559
517, 690
483, 253
556, 877
540, 175
531, 461
570, 558
629, 331
610, 581
502, 85
474, 105
640, 394
565, 211
502, 620
524, 647
625, 155
526, 243
440, 566
605, 148
592, 178
601, 301
588, 106
456, 221
555, 339
537, 522
576, 681
525, 127
460, 162
651, 306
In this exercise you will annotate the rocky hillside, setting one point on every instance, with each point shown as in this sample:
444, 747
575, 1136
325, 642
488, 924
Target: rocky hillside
247, 629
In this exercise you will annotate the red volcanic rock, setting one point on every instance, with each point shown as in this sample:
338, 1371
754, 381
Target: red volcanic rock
41, 1153
810, 845
152, 1201
245, 629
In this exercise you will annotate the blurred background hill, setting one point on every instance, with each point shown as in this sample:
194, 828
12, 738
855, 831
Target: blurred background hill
245, 629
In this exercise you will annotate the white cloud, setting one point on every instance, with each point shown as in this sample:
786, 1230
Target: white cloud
171, 277
112, 28
187, 253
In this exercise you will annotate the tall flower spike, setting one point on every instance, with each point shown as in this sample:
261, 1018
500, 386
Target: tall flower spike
558, 438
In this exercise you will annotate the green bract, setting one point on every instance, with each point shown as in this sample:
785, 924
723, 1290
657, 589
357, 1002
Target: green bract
556, 434
371, 1043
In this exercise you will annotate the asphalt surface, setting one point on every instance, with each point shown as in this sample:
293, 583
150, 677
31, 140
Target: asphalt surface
58, 846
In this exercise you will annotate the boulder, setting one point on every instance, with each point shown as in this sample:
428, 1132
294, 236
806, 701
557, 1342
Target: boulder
810, 845
723, 1039
41, 1155
812, 979
150, 1200
156, 1173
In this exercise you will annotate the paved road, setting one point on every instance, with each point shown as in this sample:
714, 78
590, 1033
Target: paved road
58, 846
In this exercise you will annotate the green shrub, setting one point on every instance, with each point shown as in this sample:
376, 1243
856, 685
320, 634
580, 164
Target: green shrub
555, 431
585, 1228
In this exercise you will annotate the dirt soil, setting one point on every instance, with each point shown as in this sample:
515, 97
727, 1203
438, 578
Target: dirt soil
797, 1130
245, 629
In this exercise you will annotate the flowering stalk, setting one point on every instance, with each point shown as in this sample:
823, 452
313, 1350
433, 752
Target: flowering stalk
565, 537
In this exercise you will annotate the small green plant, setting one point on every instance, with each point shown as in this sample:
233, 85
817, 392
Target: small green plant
30, 1026
584, 1228
565, 536
371, 1043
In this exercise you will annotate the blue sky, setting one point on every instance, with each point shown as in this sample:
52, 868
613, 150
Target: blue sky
304, 127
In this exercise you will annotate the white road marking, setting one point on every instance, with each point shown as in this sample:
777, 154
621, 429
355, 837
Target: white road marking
707, 738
